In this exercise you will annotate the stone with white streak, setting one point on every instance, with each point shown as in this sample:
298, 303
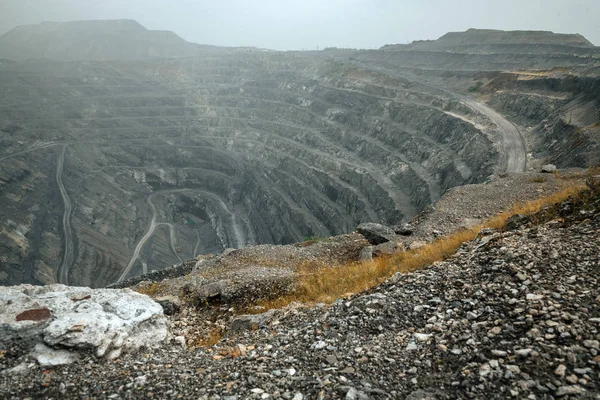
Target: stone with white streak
50, 319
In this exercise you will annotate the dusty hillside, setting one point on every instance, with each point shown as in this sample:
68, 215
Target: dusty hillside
92, 40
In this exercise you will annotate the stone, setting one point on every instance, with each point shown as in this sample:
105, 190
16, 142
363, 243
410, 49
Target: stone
140, 381
572, 378
19, 369
347, 370
366, 254
422, 337
523, 352
421, 394
494, 331
548, 168
388, 248
106, 321
376, 233
352, 394
534, 297
411, 346
560, 370
417, 244
569, 390
181, 341
251, 321
331, 359
209, 292
404, 230
49, 357
319, 345
170, 304
37, 314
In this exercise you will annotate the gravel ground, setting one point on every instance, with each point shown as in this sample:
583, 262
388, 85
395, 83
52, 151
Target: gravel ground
468, 205
511, 315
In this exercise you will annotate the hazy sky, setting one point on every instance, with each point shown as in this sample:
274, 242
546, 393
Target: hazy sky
298, 24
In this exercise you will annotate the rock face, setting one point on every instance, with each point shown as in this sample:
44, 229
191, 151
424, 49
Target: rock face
549, 168
54, 318
376, 233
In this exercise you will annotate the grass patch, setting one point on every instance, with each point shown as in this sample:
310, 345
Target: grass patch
476, 86
310, 240
150, 289
327, 283
209, 339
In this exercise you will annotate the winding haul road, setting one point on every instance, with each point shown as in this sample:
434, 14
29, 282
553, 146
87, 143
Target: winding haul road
513, 144
67, 257
238, 235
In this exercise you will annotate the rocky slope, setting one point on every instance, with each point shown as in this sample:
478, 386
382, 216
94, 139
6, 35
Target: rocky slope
92, 40
115, 168
513, 314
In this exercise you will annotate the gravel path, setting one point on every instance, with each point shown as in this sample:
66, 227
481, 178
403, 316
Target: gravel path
511, 315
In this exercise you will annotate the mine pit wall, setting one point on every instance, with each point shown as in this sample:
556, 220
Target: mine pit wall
563, 111
290, 157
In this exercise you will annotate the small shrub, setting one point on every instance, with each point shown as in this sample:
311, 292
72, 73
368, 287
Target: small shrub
476, 86
310, 240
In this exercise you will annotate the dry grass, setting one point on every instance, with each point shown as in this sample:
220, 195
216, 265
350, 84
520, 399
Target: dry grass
150, 289
328, 283
208, 339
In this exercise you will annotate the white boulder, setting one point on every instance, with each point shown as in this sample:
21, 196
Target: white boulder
54, 318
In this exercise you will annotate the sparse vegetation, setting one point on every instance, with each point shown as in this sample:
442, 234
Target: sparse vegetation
151, 289
310, 240
476, 86
207, 339
328, 283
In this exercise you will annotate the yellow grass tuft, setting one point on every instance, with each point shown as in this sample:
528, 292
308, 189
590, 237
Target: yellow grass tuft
149, 289
327, 283
208, 339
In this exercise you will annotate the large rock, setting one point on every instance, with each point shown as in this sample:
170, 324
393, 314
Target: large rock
251, 321
388, 248
549, 168
366, 254
404, 230
376, 233
50, 319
